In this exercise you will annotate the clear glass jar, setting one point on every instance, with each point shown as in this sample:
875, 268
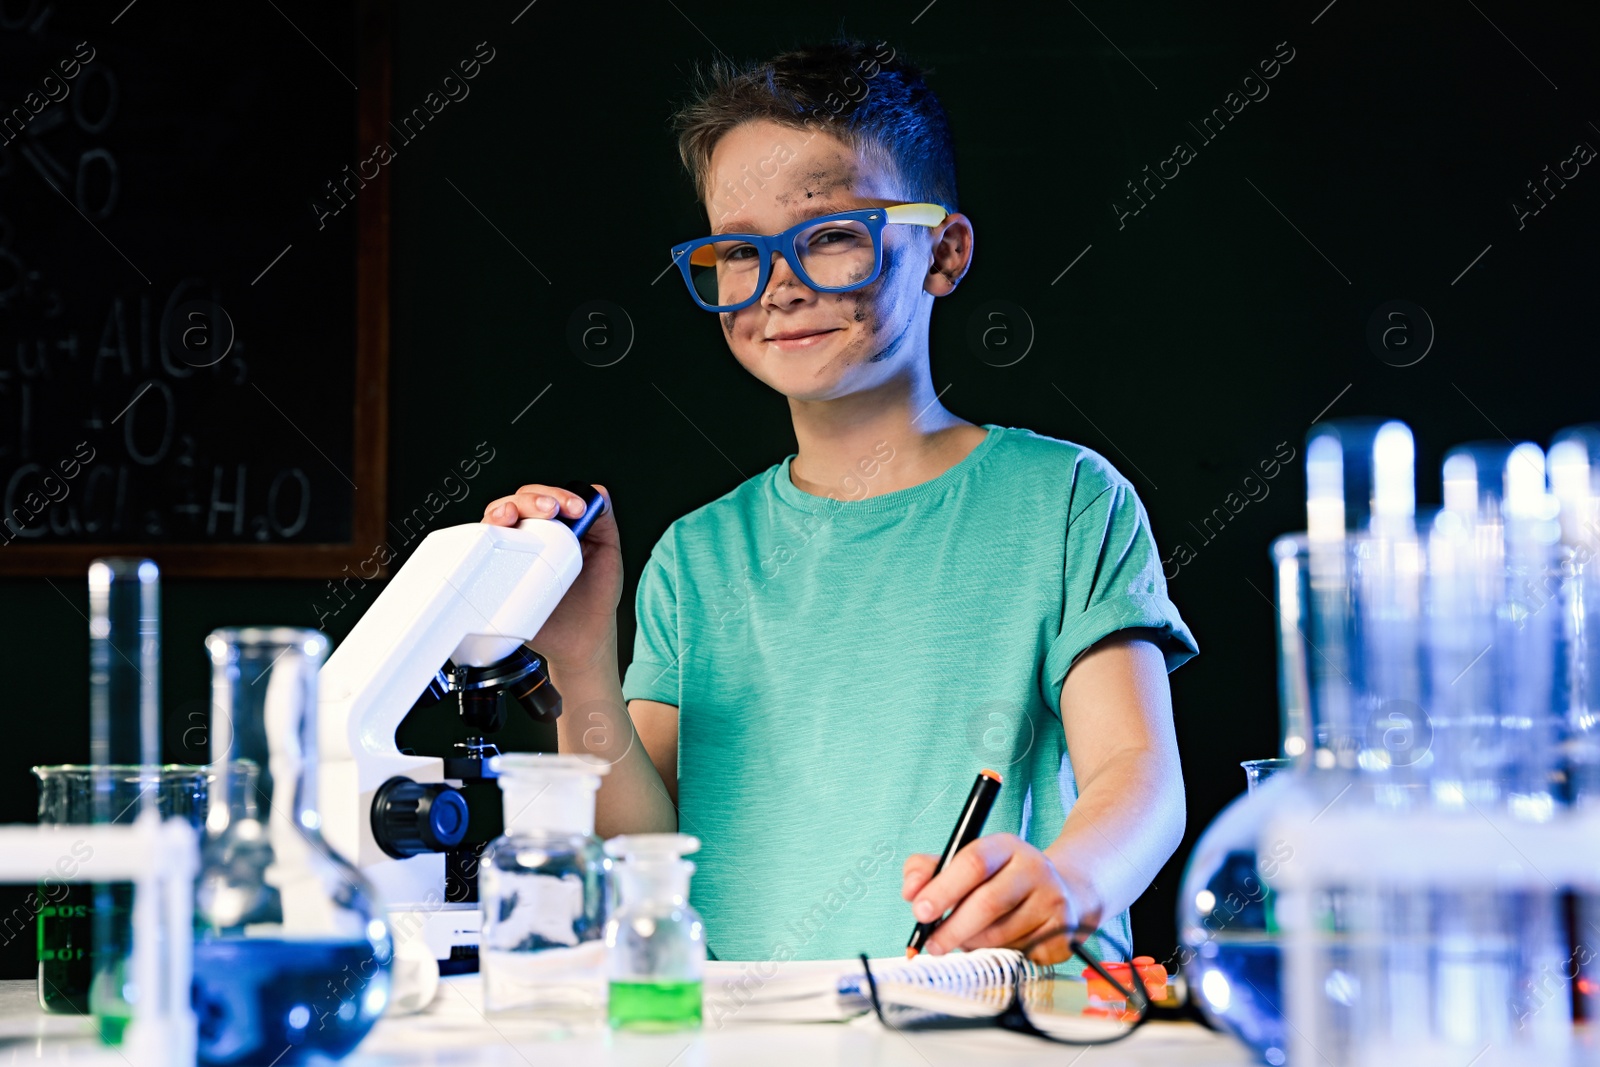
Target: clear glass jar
292, 956
655, 943
544, 889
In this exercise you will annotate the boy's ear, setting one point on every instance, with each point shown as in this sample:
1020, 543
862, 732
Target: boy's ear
951, 255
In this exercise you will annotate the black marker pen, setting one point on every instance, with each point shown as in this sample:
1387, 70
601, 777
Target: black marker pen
968, 827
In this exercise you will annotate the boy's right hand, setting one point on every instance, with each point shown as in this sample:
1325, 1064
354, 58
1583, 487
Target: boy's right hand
581, 633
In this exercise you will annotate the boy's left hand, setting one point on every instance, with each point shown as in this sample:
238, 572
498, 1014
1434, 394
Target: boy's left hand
1005, 893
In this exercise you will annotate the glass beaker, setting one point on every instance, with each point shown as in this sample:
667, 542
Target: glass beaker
1257, 771
655, 943
544, 887
292, 954
1352, 659
66, 910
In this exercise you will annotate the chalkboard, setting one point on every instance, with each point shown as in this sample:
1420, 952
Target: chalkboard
193, 285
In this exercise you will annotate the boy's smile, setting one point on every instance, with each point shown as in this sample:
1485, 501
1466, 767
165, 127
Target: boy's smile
802, 343
799, 339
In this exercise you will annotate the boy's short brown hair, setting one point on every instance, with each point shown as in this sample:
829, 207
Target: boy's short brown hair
870, 97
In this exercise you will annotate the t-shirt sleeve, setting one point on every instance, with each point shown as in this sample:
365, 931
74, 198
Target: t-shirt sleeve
653, 673
1112, 580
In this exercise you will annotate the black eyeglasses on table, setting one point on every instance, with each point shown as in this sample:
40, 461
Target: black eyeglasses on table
1015, 1016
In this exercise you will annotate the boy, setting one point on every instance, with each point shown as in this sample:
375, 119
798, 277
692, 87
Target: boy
827, 654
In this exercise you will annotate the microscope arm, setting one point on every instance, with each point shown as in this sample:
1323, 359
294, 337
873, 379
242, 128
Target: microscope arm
471, 594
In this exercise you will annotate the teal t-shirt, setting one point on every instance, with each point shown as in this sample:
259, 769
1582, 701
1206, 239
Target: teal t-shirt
844, 667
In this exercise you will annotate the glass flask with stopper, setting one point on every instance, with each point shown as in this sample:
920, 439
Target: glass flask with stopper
544, 887
292, 955
655, 943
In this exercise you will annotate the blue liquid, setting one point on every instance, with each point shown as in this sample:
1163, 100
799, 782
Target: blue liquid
261, 1001
1246, 992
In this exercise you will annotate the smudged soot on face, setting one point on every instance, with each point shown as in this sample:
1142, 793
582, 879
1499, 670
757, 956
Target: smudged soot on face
727, 322
868, 309
840, 175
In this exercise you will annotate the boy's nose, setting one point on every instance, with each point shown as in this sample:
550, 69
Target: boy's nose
782, 275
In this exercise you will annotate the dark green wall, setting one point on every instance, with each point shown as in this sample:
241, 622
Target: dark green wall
1185, 346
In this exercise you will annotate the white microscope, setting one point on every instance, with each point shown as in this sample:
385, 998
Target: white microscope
452, 621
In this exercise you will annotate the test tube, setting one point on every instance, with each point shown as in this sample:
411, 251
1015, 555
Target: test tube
1468, 550
1364, 565
1291, 571
124, 728
1574, 462
1529, 627
1360, 475
1334, 737
1493, 629
1389, 568
124, 672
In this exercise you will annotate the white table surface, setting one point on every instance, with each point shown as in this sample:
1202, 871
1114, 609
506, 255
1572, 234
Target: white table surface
453, 1031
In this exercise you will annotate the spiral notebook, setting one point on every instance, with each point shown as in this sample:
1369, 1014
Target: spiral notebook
965, 983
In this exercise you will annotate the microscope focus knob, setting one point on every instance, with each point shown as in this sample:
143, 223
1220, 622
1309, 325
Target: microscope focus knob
410, 818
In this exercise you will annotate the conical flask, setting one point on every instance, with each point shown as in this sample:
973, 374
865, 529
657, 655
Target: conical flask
292, 954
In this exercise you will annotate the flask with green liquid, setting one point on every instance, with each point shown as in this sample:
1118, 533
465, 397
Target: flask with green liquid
655, 942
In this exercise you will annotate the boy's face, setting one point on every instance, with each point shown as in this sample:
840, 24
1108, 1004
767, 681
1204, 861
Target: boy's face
854, 340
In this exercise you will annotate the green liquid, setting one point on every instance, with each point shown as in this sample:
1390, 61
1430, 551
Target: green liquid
112, 1028
655, 1005
67, 951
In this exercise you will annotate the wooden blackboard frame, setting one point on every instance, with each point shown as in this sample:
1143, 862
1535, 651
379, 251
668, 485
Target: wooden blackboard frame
370, 420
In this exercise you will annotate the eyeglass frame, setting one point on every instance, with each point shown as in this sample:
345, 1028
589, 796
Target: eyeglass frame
688, 254
1014, 1017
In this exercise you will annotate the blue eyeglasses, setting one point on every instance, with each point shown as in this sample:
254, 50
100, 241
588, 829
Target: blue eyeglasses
830, 254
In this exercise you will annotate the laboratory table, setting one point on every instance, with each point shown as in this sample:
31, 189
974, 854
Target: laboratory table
453, 1031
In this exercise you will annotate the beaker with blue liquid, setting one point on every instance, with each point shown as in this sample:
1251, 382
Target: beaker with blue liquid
292, 953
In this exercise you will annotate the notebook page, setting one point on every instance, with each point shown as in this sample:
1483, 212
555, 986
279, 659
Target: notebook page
770, 991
